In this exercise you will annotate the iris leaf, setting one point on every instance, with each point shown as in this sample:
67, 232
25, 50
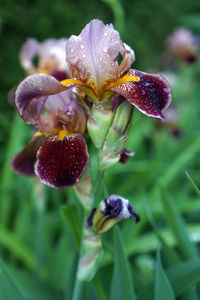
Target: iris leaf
163, 288
122, 284
177, 225
9, 289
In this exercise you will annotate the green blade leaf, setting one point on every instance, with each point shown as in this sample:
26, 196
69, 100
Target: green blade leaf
178, 227
122, 285
193, 183
163, 288
171, 255
184, 276
9, 289
69, 212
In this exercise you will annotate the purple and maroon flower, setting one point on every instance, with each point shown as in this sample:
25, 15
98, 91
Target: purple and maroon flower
60, 155
57, 153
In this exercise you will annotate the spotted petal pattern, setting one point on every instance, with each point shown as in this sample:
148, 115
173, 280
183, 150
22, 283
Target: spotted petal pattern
91, 56
151, 95
60, 163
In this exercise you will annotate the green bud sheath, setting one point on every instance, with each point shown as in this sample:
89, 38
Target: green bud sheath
116, 137
100, 121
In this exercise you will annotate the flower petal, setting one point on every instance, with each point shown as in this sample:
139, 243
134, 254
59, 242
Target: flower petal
91, 56
23, 162
60, 163
151, 94
32, 93
55, 50
28, 51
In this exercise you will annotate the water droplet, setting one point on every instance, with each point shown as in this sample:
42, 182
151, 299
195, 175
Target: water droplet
105, 33
84, 55
82, 46
105, 49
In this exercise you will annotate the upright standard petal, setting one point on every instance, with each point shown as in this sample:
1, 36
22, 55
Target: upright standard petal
151, 94
28, 52
32, 93
23, 162
92, 56
60, 163
54, 49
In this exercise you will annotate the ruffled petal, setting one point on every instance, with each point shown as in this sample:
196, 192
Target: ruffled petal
151, 94
60, 163
91, 56
23, 162
32, 93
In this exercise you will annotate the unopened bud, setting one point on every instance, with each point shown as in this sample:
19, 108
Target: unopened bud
109, 212
116, 137
99, 122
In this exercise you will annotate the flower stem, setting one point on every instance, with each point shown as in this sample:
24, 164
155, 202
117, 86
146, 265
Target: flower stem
78, 283
97, 184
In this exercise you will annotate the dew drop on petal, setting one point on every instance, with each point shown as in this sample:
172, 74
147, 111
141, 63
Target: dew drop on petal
82, 46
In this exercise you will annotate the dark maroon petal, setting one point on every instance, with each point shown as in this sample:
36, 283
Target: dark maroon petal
32, 93
151, 95
60, 163
124, 156
59, 75
23, 162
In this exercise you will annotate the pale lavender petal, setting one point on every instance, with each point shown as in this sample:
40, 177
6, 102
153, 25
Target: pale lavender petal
28, 51
58, 101
55, 49
92, 56
32, 93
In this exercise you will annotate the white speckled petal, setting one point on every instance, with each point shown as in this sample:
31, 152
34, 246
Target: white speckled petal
92, 55
28, 51
151, 94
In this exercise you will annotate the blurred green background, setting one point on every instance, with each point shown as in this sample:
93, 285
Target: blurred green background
37, 242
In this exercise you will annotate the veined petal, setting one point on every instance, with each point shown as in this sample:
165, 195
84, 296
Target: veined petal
32, 93
60, 163
23, 162
151, 94
91, 56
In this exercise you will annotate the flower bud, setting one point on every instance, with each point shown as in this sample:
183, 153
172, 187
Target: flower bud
83, 189
116, 137
91, 254
99, 122
109, 212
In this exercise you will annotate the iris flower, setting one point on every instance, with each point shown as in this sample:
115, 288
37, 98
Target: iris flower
94, 70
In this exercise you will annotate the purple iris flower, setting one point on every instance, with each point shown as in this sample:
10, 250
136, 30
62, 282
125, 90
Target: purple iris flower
94, 71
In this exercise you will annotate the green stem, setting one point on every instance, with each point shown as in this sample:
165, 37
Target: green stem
98, 288
97, 185
78, 283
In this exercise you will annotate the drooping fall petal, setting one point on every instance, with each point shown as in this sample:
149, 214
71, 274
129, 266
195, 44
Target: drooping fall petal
23, 162
32, 93
151, 94
91, 56
60, 163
